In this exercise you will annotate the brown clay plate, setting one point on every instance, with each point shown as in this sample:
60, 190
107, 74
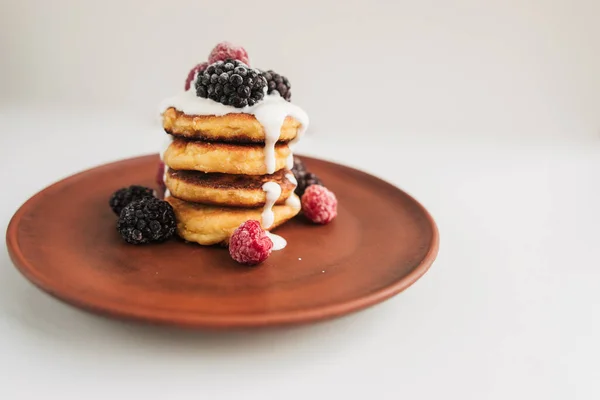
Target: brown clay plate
64, 240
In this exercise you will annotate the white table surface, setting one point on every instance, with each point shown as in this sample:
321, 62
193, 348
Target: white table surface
509, 310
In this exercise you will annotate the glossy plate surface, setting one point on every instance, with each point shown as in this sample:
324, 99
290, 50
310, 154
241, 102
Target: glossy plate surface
64, 240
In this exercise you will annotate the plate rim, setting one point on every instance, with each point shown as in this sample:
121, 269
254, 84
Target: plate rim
215, 321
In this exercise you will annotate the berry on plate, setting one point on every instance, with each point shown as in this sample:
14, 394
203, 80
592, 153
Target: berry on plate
303, 177
226, 50
147, 220
299, 169
307, 180
232, 83
319, 204
122, 197
250, 244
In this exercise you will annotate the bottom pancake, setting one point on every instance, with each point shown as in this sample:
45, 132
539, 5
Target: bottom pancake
208, 225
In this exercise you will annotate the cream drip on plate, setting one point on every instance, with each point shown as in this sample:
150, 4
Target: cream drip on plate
278, 242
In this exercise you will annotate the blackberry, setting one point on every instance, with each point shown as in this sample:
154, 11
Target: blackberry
147, 220
307, 180
231, 82
298, 169
304, 178
122, 197
278, 83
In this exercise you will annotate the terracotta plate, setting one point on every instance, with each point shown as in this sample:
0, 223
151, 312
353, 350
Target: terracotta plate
64, 240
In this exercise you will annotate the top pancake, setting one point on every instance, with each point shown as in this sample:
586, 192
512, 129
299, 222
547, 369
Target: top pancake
231, 128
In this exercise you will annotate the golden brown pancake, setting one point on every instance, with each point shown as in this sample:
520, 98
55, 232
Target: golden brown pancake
208, 225
225, 158
226, 189
232, 128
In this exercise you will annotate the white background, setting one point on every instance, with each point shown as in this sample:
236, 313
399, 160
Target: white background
487, 112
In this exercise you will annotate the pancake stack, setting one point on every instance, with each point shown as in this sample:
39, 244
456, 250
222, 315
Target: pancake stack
216, 168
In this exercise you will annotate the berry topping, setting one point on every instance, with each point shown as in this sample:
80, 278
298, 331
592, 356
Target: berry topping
307, 180
250, 244
298, 169
232, 83
225, 50
278, 83
198, 68
319, 204
304, 178
147, 220
122, 197
160, 177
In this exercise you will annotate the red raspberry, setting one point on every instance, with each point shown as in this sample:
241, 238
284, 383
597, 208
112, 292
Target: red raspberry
190, 77
319, 204
250, 244
225, 50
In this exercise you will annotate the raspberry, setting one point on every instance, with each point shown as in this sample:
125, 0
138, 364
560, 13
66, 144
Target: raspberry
147, 220
319, 204
122, 197
226, 50
250, 244
198, 68
231, 82
278, 83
